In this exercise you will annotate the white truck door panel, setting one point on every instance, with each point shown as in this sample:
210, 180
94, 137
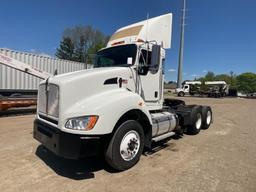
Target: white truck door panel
150, 83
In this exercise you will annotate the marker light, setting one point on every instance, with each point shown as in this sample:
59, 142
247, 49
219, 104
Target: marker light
140, 41
118, 43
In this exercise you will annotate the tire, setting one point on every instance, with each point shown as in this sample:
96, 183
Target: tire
196, 121
117, 154
181, 94
207, 117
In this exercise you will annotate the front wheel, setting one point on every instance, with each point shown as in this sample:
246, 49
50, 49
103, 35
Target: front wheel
126, 146
181, 94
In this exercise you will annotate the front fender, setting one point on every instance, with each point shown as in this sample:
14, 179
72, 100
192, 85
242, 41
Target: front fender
109, 106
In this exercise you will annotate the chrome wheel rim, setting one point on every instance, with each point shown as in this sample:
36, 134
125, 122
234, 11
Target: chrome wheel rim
198, 121
130, 145
208, 117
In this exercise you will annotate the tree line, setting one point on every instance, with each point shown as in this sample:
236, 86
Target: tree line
80, 43
245, 82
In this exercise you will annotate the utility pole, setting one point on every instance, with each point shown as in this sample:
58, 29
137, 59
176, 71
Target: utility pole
182, 31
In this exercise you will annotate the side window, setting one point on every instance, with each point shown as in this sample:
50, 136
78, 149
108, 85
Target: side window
145, 58
106, 61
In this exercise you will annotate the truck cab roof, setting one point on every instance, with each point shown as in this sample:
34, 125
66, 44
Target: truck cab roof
147, 30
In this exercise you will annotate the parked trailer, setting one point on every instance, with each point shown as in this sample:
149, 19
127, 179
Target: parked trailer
21, 74
13, 79
5, 104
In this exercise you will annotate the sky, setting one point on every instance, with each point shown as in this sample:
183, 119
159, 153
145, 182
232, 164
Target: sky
220, 35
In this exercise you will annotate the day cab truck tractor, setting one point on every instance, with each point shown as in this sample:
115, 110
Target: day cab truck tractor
117, 108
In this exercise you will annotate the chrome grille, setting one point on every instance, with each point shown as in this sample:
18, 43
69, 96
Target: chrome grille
53, 100
49, 99
42, 99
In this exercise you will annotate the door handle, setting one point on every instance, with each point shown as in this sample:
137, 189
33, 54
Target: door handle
156, 94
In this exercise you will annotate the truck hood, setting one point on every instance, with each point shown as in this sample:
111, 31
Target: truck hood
75, 87
88, 82
88, 74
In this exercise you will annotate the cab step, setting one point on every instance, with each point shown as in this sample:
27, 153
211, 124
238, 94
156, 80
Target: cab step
164, 136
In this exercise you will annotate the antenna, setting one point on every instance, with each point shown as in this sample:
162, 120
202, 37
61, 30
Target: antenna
181, 44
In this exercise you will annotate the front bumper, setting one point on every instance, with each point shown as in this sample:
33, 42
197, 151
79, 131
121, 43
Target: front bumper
64, 144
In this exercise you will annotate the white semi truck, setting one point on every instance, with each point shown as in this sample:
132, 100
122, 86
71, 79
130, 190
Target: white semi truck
118, 107
210, 88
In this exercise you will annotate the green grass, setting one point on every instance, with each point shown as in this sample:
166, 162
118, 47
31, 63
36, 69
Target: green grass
168, 94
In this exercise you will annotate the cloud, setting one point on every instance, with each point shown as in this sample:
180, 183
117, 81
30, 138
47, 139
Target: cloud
194, 75
44, 54
171, 70
204, 71
33, 50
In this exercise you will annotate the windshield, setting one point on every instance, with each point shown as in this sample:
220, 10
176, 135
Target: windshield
115, 56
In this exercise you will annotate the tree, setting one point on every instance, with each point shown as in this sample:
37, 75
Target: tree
86, 41
232, 79
246, 82
66, 50
223, 77
209, 76
80, 52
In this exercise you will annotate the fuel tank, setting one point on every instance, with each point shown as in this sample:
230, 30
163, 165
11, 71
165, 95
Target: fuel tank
163, 122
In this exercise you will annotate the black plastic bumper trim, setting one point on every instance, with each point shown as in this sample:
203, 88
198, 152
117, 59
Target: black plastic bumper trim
67, 145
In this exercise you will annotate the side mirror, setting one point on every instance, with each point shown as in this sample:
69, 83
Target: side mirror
155, 56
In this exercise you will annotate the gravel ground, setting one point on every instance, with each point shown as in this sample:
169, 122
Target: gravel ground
222, 158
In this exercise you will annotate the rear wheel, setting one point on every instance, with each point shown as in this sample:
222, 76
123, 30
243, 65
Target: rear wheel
126, 146
196, 121
207, 117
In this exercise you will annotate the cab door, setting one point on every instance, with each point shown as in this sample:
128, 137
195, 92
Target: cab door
151, 80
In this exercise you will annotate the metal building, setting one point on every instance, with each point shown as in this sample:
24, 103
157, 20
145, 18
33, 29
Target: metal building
14, 79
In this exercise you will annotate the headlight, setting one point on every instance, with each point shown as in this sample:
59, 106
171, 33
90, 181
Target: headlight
82, 123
